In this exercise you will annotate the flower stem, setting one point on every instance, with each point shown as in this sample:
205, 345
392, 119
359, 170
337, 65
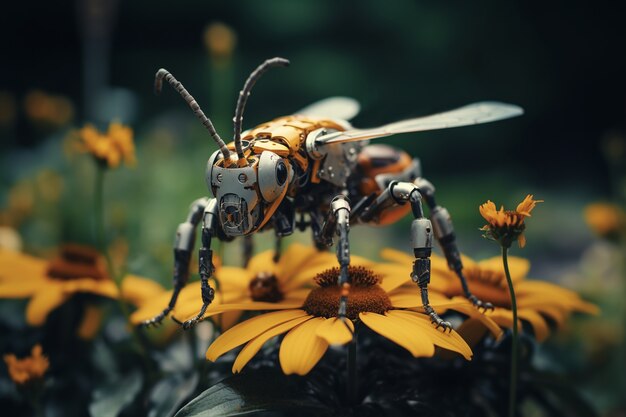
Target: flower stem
514, 342
352, 374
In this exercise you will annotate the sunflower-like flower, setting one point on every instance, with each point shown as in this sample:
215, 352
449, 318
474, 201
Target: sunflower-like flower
28, 370
507, 226
110, 148
605, 219
314, 325
538, 302
50, 283
263, 284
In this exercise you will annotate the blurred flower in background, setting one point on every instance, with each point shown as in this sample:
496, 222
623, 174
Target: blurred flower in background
110, 148
220, 41
28, 370
48, 109
605, 219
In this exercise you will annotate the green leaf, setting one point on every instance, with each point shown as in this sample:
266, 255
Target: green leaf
264, 392
111, 397
169, 393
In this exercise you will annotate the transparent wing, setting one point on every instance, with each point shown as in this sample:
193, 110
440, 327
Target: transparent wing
472, 114
343, 108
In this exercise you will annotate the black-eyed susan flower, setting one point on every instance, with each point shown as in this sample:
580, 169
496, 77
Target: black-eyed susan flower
507, 226
110, 148
28, 370
538, 302
314, 325
605, 219
50, 283
262, 285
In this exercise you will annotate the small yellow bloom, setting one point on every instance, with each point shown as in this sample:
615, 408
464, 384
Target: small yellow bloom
48, 284
29, 369
313, 325
507, 226
605, 219
538, 302
110, 148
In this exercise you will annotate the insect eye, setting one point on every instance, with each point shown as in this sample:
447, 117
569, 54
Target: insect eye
281, 173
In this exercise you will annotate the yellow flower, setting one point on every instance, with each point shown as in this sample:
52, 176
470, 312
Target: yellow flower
109, 148
314, 326
507, 226
605, 219
48, 284
537, 301
29, 369
261, 286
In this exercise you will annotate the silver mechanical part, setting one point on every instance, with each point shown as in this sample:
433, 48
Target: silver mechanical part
421, 234
424, 185
239, 208
273, 175
402, 191
409, 174
186, 232
209, 168
339, 161
442, 223
341, 209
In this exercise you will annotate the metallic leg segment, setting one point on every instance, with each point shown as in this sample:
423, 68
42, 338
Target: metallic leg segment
183, 246
421, 237
444, 232
209, 223
338, 222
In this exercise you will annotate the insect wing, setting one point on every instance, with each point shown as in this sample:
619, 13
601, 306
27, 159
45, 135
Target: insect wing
343, 108
472, 114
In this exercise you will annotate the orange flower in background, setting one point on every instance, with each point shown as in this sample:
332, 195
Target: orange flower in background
605, 219
507, 226
50, 283
29, 369
110, 148
312, 326
539, 302
41, 107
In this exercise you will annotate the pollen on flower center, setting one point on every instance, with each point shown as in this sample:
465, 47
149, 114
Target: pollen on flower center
365, 294
264, 287
77, 261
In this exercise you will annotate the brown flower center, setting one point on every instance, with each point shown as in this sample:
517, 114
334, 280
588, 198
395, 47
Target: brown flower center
365, 294
264, 287
77, 261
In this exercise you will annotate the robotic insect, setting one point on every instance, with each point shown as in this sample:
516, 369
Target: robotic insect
311, 166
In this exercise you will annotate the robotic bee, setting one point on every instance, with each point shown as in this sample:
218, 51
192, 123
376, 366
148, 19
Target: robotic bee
313, 169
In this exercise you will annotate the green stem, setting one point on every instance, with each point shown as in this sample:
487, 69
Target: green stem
352, 374
115, 276
514, 343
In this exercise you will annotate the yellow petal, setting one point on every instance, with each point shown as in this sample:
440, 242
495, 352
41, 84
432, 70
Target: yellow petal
105, 288
248, 330
17, 289
263, 262
336, 331
90, 323
538, 323
245, 306
393, 275
137, 290
301, 349
448, 340
399, 332
43, 302
19, 267
295, 258
253, 346
472, 331
518, 267
397, 256
476, 315
233, 278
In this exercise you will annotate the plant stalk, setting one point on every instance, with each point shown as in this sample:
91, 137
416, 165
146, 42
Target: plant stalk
514, 341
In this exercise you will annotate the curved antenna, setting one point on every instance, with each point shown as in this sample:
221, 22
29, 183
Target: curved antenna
195, 107
245, 93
